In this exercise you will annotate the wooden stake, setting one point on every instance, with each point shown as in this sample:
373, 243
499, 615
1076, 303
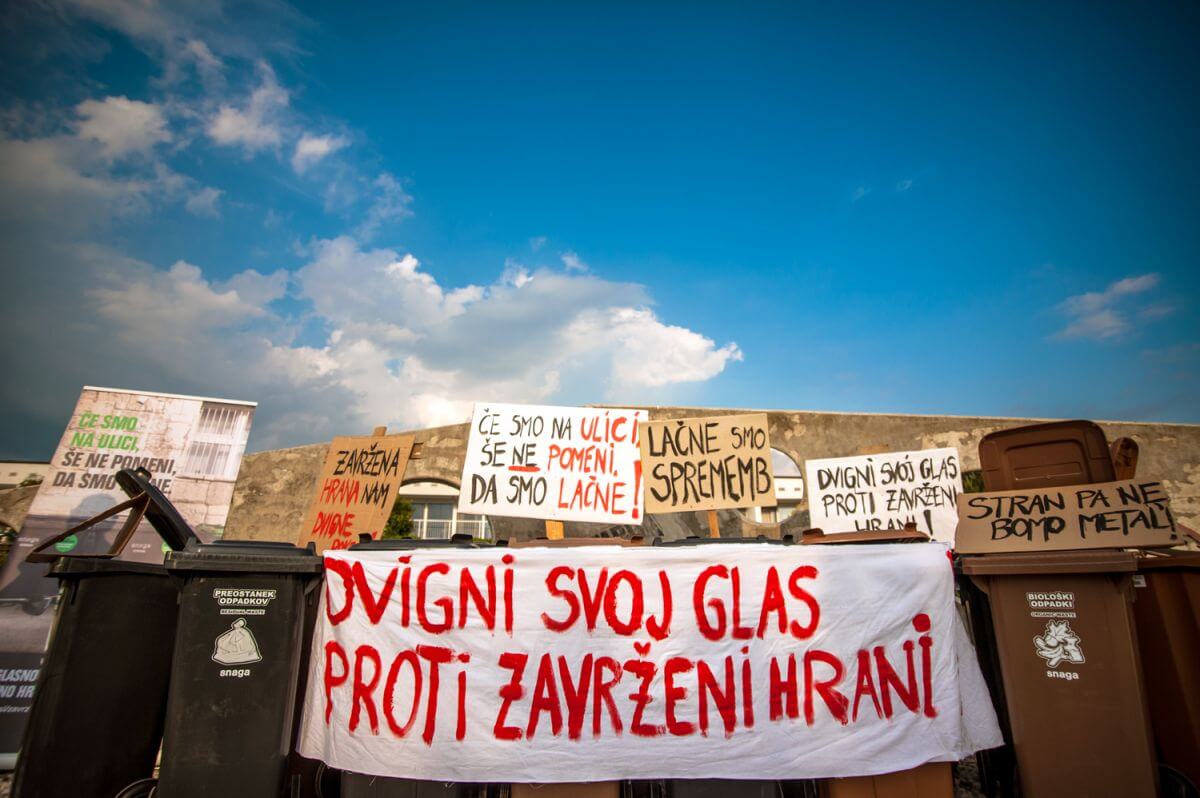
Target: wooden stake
714, 526
554, 530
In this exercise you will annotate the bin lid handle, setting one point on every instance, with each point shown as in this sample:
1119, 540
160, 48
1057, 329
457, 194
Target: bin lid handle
137, 508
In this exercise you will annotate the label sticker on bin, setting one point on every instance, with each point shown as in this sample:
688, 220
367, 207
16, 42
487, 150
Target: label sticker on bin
237, 646
243, 601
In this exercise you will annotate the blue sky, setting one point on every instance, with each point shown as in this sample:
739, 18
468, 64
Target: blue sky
361, 215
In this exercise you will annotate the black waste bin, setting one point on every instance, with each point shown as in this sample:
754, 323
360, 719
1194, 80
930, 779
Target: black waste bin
362, 785
97, 717
231, 711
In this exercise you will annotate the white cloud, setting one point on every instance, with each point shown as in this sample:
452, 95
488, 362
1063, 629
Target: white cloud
389, 204
366, 335
413, 352
181, 299
859, 193
573, 262
515, 273
1101, 315
349, 288
383, 341
256, 125
190, 35
646, 353
903, 185
66, 183
310, 149
122, 126
204, 202
523, 337
203, 57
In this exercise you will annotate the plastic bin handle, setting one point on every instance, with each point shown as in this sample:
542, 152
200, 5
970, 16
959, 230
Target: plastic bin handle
136, 507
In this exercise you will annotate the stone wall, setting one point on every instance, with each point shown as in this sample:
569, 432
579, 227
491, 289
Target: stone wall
274, 488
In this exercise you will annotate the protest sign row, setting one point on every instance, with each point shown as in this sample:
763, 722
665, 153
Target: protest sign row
612, 466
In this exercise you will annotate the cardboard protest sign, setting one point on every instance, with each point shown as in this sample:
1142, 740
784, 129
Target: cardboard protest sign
707, 463
886, 491
556, 463
1127, 514
594, 663
356, 489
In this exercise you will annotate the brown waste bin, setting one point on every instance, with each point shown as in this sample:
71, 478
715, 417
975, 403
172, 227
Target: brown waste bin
1068, 653
1167, 612
931, 779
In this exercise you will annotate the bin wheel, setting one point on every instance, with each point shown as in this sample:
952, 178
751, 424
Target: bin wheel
37, 606
1173, 784
142, 788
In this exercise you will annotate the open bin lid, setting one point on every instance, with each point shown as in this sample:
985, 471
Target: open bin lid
1082, 561
245, 556
145, 501
161, 514
1050, 455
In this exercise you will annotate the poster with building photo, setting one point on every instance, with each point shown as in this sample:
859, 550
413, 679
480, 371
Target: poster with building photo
192, 446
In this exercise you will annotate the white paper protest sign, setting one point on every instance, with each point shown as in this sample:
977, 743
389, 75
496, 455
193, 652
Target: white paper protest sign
886, 491
557, 463
746, 661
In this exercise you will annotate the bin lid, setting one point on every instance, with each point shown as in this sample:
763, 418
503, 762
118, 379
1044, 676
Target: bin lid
161, 514
77, 567
566, 543
906, 535
1048, 455
1168, 560
408, 544
1050, 562
241, 556
699, 541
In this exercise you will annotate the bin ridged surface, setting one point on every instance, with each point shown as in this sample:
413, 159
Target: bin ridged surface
1167, 612
97, 716
1078, 728
231, 711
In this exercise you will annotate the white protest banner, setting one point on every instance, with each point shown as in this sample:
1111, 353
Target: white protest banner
750, 661
556, 463
886, 491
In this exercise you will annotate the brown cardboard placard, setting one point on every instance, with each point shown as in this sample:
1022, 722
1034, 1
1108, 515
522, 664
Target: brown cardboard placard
1125, 514
713, 463
356, 489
